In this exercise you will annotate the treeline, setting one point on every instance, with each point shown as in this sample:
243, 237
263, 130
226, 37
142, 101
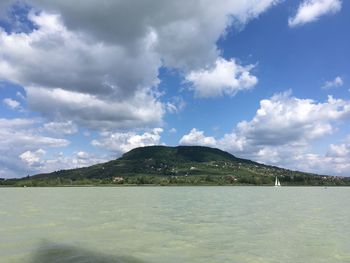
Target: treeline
180, 180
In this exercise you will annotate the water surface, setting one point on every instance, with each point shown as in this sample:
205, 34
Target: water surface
175, 224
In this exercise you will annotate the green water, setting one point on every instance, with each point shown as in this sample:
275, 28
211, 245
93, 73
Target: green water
175, 224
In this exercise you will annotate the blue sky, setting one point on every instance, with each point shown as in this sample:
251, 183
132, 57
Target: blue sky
84, 83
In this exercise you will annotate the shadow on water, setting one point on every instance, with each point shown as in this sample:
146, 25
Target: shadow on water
59, 253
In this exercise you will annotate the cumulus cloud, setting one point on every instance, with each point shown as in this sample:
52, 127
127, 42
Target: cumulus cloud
22, 136
37, 162
186, 30
281, 133
334, 162
76, 160
76, 62
283, 119
11, 103
97, 65
82, 79
196, 137
94, 112
32, 157
25, 149
122, 142
225, 78
107, 56
335, 83
311, 10
21, 132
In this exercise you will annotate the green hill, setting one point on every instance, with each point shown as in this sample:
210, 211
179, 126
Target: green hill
181, 165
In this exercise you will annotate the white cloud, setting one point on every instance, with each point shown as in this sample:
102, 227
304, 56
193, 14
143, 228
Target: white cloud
25, 150
175, 105
171, 108
281, 133
78, 159
337, 82
67, 127
83, 64
186, 30
311, 10
22, 136
123, 142
227, 77
112, 69
86, 72
341, 150
140, 110
81, 71
11, 103
36, 162
284, 119
31, 158
196, 137
83, 155
16, 123
334, 162
22, 133
234, 143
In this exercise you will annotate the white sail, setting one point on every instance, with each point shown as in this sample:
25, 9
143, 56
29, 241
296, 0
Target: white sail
277, 182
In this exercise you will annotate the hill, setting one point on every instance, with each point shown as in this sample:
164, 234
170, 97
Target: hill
181, 165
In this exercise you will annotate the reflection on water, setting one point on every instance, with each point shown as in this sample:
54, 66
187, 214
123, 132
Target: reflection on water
50, 252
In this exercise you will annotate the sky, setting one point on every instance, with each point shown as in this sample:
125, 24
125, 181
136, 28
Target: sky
84, 82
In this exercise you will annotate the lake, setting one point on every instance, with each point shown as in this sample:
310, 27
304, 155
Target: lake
175, 224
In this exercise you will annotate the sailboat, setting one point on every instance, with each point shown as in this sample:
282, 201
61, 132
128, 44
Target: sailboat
277, 182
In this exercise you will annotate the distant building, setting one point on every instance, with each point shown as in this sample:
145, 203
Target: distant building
118, 180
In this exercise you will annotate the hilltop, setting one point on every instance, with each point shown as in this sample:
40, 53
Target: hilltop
181, 165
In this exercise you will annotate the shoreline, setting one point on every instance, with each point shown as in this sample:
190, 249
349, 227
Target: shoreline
174, 185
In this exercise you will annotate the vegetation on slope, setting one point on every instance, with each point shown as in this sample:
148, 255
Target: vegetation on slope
182, 165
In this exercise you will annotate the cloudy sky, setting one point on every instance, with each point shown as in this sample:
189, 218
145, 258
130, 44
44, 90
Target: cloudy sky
83, 82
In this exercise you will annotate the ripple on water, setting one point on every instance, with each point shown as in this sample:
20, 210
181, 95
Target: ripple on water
175, 224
